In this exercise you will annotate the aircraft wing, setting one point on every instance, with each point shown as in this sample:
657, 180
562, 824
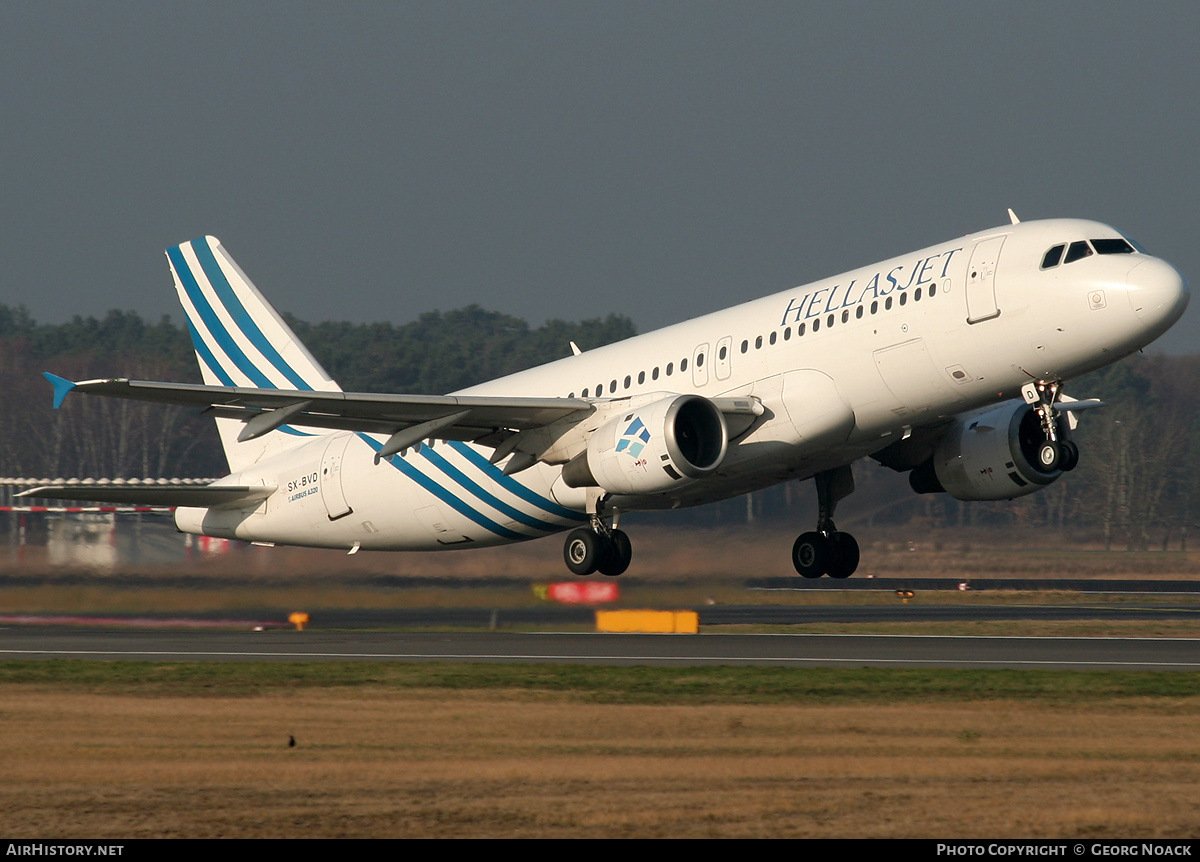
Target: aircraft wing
407, 419
451, 417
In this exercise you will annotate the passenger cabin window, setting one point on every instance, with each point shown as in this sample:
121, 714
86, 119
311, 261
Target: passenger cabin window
1053, 256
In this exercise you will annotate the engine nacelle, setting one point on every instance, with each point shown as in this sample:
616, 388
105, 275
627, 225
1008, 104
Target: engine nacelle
988, 456
654, 448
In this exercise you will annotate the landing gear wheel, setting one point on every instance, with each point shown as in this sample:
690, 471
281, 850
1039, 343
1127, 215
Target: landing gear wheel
845, 555
583, 551
618, 553
811, 555
1069, 455
1048, 456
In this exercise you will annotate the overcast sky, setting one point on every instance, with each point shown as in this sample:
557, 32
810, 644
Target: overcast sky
660, 160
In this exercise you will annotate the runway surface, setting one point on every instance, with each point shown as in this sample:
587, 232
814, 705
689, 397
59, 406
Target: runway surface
791, 650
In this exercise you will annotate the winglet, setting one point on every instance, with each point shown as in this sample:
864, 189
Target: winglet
61, 387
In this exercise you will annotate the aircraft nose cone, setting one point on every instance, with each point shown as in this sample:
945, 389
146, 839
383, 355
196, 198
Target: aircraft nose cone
1158, 293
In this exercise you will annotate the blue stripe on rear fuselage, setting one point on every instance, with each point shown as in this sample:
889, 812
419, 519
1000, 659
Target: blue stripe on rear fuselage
444, 494
510, 484
487, 497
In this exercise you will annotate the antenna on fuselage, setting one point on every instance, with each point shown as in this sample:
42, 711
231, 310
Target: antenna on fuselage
1012, 216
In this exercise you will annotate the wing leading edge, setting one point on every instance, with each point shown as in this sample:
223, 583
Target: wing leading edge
500, 423
450, 417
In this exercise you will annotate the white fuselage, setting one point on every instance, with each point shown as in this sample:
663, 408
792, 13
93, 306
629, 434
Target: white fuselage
842, 367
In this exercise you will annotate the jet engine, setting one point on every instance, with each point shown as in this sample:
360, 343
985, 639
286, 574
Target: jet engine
997, 454
646, 450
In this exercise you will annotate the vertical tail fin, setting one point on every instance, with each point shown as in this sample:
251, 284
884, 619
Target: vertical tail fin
240, 340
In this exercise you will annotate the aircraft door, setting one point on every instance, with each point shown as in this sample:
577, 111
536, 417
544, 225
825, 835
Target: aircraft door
331, 477
700, 362
981, 281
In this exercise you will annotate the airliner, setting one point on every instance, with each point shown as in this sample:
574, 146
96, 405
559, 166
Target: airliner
947, 363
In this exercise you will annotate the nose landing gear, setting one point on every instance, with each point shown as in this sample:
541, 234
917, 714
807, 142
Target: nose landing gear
1058, 451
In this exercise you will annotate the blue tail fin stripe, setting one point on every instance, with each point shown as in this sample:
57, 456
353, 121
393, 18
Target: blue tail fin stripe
444, 495
211, 361
212, 322
510, 484
206, 355
241, 317
486, 497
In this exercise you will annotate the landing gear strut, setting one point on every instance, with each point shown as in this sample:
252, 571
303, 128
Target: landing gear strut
599, 547
827, 551
1058, 451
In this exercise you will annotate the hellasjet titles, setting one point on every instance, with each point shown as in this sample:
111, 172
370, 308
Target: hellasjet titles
946, 363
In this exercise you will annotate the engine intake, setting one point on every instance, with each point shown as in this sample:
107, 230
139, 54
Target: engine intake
988, 456
647, 450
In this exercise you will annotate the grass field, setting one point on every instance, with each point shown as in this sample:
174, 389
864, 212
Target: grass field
155, 750
125, 749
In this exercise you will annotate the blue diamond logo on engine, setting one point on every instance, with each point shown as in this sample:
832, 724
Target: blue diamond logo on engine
635, 438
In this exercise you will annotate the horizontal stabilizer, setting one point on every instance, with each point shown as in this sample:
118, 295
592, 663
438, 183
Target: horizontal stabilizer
205, 496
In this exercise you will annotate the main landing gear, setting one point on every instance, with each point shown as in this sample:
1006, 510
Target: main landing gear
598, 548
827, 551
1057, 451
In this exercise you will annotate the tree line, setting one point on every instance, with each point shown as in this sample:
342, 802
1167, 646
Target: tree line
1135, 488
439, 352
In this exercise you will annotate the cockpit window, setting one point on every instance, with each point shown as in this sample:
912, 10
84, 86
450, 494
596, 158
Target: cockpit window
1112, 246
1053, 256
1080, 249
1137, 245
1077, 251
